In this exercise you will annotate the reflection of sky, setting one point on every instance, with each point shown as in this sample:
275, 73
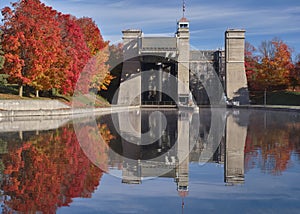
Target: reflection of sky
261, 193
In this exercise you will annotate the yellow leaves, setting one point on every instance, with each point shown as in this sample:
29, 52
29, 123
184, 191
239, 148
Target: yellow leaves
103, 87
274, 69
100, 77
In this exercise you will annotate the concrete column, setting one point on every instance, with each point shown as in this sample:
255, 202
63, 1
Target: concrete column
160, 81
183, 46
236, 80
131, 68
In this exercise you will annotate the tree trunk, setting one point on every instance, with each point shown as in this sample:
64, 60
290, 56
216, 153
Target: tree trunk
54, 92
37, 93
21, 90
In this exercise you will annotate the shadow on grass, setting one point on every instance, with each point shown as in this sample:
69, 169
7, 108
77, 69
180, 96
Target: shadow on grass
277, 98
9, 89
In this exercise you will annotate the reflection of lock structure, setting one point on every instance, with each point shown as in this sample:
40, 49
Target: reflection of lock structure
183, 150
234, 157
170, 159
167, 156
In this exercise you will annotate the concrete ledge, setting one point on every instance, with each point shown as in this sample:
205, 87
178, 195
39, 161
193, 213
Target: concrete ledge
31, 105
16, 121
270, 107
65, 112
32, 124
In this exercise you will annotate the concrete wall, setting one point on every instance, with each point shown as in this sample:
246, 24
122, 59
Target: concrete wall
131, 68
32, 105
205, 81
32, 124
236, 80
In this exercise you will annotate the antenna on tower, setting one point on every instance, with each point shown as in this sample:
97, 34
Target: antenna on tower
183, 8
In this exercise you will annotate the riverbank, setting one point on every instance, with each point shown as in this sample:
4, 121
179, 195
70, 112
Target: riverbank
269, 107
36, 108
48, 108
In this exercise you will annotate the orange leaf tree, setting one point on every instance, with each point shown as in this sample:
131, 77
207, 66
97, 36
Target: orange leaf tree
1, 52
251, 65
276, 65
97, 76
31, 44
295, 74
76, 52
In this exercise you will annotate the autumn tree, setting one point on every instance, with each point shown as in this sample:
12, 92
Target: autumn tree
276, 65
31, 44
76, 52
1, 52
92, 35
97, 70
47, 50
295, 74
251, 65
3, 77
115, 62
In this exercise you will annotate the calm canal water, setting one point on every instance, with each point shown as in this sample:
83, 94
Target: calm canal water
167, 161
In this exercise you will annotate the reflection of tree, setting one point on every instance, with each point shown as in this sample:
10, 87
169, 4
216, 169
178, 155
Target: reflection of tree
270, 147
49, 170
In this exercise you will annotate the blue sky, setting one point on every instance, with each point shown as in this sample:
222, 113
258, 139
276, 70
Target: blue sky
263, 20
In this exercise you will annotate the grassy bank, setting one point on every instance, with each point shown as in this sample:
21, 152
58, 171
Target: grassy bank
11, 92
277, 98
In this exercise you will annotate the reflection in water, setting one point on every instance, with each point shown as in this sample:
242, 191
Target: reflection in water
44, 170
213, 135
272, 139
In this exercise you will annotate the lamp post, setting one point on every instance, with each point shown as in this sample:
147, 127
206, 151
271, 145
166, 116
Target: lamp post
265, 97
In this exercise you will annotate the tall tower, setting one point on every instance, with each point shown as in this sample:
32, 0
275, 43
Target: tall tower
131, 68
183, 46
236, 80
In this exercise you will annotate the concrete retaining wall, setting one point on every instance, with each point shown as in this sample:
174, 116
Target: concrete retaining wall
31, 105
64, 112
12, 121
31, 124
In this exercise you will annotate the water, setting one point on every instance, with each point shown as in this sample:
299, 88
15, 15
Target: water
223, 161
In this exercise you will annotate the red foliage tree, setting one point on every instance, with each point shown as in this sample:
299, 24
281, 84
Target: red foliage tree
251, 65
31, 44
96, 73
92, 35
274, 67
76, 51
295, 74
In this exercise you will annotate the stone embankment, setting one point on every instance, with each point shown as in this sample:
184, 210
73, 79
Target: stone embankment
28, 108
37, 115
